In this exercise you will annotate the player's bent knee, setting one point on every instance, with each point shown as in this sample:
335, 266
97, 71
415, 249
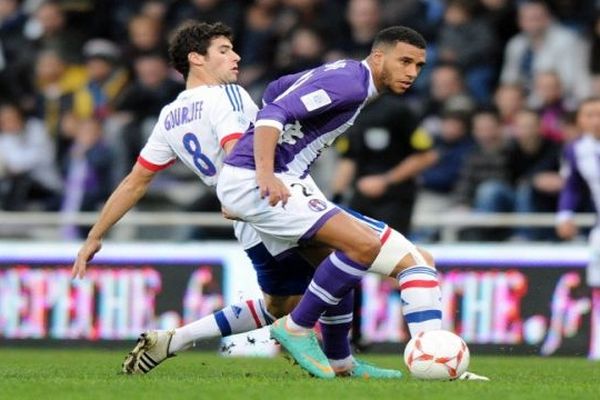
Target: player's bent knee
366, 250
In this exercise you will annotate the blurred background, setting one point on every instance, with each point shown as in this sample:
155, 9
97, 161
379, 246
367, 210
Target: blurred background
479, 138
82, 83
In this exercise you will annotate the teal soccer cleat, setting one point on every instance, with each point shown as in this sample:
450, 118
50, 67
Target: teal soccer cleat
361, 369
304, 348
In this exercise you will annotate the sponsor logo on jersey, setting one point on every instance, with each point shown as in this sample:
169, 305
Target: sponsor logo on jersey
315, 100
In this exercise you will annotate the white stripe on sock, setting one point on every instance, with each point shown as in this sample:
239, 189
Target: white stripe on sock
323, 294
345, 267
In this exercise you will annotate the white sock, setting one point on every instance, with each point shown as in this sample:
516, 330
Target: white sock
421, 299
238, 318
293, 326
345, 364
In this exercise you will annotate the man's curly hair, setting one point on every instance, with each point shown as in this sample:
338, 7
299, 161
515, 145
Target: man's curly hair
194, 37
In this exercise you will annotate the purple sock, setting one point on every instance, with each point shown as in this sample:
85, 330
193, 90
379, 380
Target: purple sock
333, 279
335, 325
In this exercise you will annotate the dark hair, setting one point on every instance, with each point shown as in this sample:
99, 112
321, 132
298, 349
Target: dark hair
462, 116
487, 110
541, 3
394, 34
194, 38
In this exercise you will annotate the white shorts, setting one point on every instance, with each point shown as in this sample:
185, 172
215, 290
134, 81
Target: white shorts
245, 234
280, 228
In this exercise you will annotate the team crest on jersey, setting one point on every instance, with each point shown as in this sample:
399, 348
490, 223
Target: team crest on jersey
317, 205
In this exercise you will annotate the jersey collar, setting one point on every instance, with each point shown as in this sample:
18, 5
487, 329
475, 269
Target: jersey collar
372, 89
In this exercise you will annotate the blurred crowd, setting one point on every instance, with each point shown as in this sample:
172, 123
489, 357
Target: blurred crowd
82, 83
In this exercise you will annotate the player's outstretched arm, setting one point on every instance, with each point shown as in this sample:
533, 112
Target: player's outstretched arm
125, 196
265, 141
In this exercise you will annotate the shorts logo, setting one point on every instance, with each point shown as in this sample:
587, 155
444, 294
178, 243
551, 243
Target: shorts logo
317, 205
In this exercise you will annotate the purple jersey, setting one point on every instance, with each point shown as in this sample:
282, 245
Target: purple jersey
581, 170
311, 109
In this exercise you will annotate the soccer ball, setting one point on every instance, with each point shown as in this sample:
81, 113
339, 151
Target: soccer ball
436, 355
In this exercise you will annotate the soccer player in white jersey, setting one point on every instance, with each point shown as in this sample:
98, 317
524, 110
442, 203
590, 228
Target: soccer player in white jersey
582, 175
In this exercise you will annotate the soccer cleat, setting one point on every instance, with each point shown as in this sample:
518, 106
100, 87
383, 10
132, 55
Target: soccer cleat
361, 369
469, 376
304, 348
150, 350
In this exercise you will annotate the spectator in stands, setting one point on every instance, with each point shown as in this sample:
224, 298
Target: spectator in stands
106, 80
47, 29
534, 181
446, 93
55, 83
12, 41
424, 16
501, 15
485, 166
230, 12
468, 42
364, 21
87, 170
27, 162
550, 104
322, 16
144, 35
544, 45
304, 50
256, 44
509, 99
451, 145
141, 102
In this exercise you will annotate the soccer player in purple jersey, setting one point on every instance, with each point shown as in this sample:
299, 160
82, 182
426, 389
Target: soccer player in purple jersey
266, 182
582, 176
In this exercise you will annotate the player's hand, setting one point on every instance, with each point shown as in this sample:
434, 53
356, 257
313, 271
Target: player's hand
85, 255
229, 215
566, 230
273, 188
372, 186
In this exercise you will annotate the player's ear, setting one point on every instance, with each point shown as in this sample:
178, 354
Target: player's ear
196, 59
377, 55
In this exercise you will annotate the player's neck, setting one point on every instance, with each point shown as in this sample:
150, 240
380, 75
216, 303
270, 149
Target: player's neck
195, 80
377, 79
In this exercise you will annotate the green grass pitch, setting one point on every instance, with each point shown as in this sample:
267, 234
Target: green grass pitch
92, 374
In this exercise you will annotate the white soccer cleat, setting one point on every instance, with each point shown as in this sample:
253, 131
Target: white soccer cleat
151, 349
469, 376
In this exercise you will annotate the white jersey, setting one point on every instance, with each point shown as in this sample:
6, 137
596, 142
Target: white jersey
196, 126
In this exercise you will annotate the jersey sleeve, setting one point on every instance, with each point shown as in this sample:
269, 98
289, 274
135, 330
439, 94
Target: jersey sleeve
233, 113
314, 93
157, 154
